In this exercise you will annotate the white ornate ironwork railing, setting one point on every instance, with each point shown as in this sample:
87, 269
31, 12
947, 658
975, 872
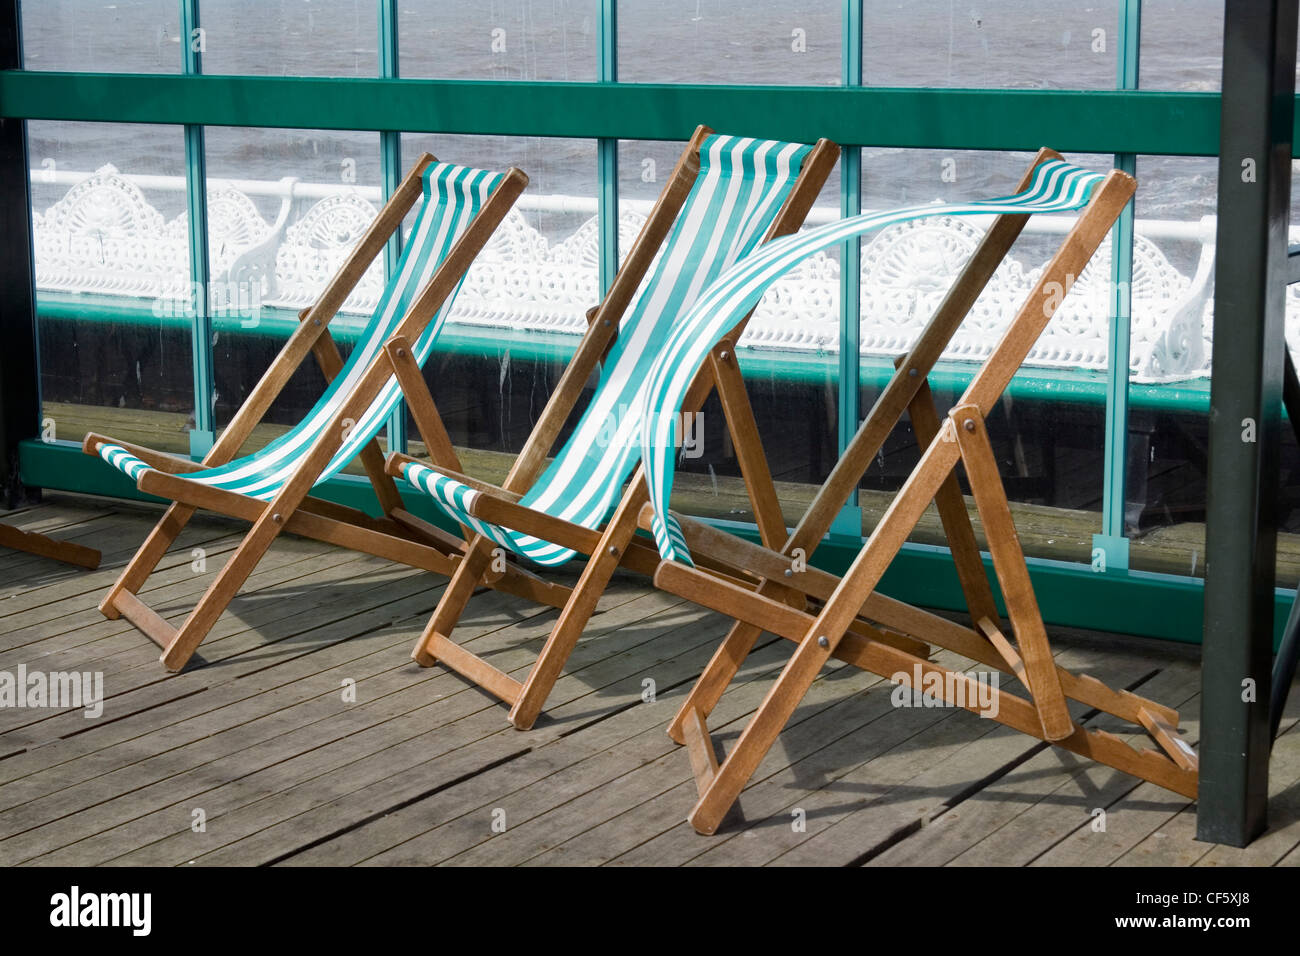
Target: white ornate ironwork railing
104, 237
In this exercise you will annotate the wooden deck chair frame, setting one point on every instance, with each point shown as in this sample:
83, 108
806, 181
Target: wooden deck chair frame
293, 509
617, 544
33, 542
848, 619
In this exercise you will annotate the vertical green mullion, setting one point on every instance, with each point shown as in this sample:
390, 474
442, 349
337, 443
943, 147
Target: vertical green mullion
1112, 542
390, 153
849, 521
196, 199
607, 149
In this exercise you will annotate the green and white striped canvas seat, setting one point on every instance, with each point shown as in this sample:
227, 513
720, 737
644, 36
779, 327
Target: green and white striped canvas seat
1056, 186
452, 197
741, 185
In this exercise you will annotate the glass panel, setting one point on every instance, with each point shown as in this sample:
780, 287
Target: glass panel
1169, 390
129, 36
523, 306
1052, 44
112, 279
504, 40
287, 206
1048, 430
788, 357
712, 41
1182, 45
291, 37
1173, 291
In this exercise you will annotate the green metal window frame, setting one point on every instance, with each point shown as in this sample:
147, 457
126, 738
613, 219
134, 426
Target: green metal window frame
1125, 121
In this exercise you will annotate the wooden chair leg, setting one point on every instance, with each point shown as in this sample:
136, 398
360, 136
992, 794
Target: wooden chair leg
754, 468
582, 604
467, 577
951, 504
712, 683
772, 715
1013, 574
147, 557
221, 591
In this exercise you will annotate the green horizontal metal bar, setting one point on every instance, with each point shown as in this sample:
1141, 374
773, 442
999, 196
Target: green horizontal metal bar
1135, 602
1102, 121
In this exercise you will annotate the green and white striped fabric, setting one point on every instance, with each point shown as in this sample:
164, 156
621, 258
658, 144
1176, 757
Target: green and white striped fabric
1056, 186
741, 186
453, 196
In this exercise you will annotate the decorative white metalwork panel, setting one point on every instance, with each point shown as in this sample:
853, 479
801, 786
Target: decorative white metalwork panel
104, 237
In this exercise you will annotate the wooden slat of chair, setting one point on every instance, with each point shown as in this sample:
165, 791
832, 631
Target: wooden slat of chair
32, 542
371, 455
419, 400
614, 546
705, 540
1009, 564
1046, 716
268, 388
602, 327
754, 469
951, 504
1167, 736
884, 416
286, 511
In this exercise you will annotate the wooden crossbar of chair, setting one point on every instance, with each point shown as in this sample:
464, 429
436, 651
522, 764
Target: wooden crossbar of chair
616, 544
293, 509
834, 626
42, 545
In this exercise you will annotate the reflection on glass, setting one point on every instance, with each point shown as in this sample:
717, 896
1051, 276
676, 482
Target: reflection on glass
504, 40
291, 37
716, 41
129, 36
1048, 429
523, 305
1169, 369
1182, 45
286, 207
788, 356
994, 44
111, 243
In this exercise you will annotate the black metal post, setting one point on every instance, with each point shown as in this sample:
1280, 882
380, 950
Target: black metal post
1259, 51
20, 398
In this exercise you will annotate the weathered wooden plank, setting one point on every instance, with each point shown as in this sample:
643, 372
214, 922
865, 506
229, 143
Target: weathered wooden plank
125, 658
1043, 829
206, 706
530, 787
1174, 843
104, 803
466, 735
287, 772
245, 726
834, 709
210, 705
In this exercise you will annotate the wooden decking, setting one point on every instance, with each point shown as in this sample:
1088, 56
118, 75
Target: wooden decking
303, 734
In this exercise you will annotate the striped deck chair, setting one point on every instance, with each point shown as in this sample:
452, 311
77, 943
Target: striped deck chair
846, 617
726, 195
459, 209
